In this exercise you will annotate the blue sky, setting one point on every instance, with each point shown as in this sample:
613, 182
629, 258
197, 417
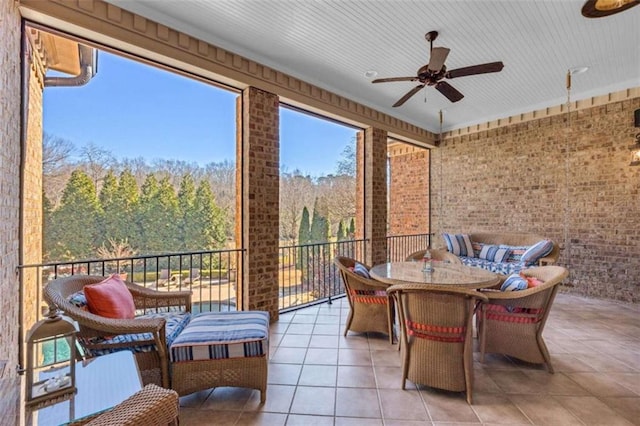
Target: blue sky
136, 110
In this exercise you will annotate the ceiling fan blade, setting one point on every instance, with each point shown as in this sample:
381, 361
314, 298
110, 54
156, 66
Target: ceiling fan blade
387, 80
449, 91
409, 94
475, 69
438, 56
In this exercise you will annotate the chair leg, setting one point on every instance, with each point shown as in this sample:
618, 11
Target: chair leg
390, 318
545, 352
482, 333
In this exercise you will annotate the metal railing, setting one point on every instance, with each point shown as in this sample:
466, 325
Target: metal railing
210, 275
401, 246
308, 275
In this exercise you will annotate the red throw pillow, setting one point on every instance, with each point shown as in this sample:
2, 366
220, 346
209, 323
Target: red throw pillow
110, 298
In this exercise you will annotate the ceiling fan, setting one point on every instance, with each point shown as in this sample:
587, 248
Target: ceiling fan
432, 73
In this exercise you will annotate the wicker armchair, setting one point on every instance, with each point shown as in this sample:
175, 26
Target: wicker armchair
153, 365
152, 405
436, 254
436, 335
511, 322
371, 307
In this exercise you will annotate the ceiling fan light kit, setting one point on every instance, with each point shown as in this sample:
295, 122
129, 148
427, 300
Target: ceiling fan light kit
435, 71
601, 8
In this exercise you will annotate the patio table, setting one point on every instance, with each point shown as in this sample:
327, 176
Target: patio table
442, 274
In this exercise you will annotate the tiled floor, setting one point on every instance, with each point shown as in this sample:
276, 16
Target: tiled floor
319, 377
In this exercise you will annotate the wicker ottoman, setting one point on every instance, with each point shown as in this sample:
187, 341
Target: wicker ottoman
222, 349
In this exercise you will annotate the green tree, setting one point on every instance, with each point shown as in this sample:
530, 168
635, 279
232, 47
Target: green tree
108, 226
124, 211
319, 223
208, 222
341, 235
187, 222
304, 236
352, 228
158, 216
73, 230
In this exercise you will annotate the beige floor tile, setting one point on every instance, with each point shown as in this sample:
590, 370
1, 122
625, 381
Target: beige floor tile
356, 377
195, 399
555, 384
306, 420
494, 408
605, 363
318, 375
300, 329
227, 399
284, 374
195, 417
386, 358
514, 382
390, 378
354, 357
353, 341
628, 380
322, 356
601, 384
327, 329
544, 410
279, 327
260, 419
354, 402
300, 318
279, 399
295, 340
314, 400
402, 405
329, 320
326, 342
591, 411
482, 381
354, 421
566, 363
394, 422
289, 355
448, 406
629, 408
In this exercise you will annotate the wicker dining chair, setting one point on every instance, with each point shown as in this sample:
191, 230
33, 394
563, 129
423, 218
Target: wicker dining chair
153, 364
152, 406
436, 254
436, 335
511, 322
371, 309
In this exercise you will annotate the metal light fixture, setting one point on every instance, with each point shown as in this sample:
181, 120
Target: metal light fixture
635, 149
600, 8
49, 379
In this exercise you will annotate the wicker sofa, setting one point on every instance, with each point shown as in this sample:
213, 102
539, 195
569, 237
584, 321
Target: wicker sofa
517, 243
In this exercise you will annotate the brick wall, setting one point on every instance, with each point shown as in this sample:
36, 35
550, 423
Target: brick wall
259, 159
375, 194
9, 208
408, 189
572, 184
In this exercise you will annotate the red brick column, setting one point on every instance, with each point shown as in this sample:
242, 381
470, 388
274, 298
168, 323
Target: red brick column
258, 154
375, 194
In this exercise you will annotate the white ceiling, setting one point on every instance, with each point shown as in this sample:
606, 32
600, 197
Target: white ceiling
332, 43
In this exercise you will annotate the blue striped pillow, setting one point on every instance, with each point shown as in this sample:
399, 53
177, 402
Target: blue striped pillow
361, 270
494, 253
513, 283
459, 244
536, 251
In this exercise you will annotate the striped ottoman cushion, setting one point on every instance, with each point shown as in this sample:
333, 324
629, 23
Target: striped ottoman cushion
221, 335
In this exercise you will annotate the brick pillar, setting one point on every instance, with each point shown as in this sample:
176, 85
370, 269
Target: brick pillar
258, 155
375, 194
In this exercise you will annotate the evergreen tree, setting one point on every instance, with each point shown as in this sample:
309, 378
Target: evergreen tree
125, 209
208, 222
187, 222
352, 228
342, 232
157, 215
74, 224
47, 241
304, 237
319, 223
108, 227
